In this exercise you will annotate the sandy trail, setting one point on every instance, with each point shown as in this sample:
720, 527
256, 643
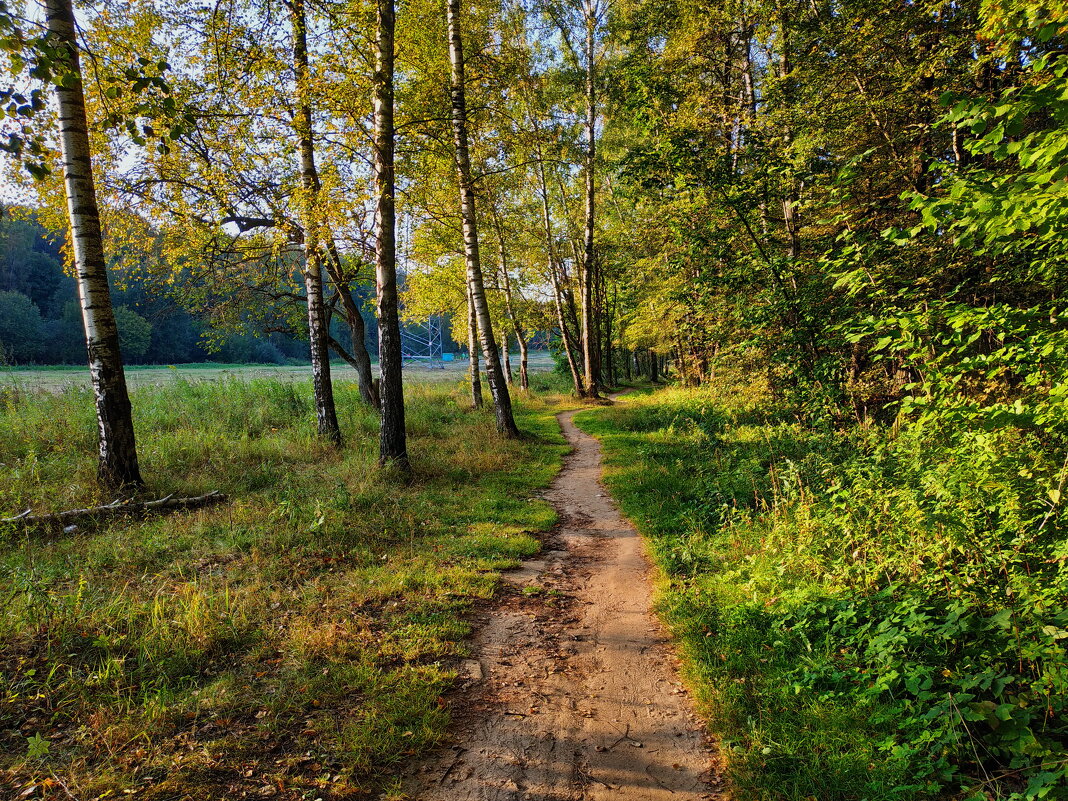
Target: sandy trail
574, 694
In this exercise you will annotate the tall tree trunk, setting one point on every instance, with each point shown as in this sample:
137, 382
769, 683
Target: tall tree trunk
509, 308
502, 401
318, 333
610, 369
589, 321
117, 467
507, 357
361, 359
653, 363
474, 374
393, 444
550, 249
524, 362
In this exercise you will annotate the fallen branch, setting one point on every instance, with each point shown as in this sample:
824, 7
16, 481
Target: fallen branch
118, 506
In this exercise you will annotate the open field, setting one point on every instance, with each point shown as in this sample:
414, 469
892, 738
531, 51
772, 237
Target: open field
293, 643
55, 378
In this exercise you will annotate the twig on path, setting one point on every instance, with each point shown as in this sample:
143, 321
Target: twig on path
459, 757
592, 778
649, 773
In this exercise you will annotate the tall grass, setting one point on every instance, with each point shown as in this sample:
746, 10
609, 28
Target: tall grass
297, 639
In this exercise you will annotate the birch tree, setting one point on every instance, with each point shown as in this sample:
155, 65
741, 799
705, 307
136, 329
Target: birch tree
502, 402
393, 449
118, 467
318, 336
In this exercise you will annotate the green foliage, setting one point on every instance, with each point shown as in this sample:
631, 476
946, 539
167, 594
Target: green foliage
1013, 201
20, 328
135, 333
864, 614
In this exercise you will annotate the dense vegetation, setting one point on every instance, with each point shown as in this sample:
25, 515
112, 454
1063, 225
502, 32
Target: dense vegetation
859, 206
40, 322
863, 614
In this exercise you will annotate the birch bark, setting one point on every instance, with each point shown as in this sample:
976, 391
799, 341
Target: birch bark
118, 467
318, 335
502, 401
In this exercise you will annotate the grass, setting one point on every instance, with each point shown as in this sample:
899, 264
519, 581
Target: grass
294, 643
861, 614
56, 378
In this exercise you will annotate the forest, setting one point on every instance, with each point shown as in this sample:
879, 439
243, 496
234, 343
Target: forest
800, 266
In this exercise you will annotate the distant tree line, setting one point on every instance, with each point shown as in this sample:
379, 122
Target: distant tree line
40, 322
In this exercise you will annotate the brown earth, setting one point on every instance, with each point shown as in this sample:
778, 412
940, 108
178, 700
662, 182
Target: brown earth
574, 694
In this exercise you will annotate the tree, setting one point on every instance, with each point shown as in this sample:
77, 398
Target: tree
135, 333
318, 333
502, 402
118, 467
586, 18
393, 445
20, 328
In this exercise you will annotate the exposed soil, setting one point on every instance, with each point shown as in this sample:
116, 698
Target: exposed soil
574, 694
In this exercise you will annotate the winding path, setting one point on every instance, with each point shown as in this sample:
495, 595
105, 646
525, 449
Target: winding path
574, 694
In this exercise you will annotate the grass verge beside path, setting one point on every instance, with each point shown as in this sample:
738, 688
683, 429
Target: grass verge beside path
294, 643
862, 614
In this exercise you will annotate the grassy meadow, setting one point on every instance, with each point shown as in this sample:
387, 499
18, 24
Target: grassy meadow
863, 612
293, 643
57, 378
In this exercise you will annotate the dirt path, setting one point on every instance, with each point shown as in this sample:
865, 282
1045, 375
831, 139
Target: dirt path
574, 694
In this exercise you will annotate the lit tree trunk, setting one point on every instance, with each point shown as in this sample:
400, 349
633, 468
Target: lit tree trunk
502, 401
589, 323
472, 352
509, 307
610, 368
524, 362
318, 334
550, 250
117, 468
507, 357
393, 445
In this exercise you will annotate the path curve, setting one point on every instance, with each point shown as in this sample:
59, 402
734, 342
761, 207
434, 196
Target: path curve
574, 695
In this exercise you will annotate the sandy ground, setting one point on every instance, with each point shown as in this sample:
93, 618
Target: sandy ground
574, 693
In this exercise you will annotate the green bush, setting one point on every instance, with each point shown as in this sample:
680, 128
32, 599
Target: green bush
865, 614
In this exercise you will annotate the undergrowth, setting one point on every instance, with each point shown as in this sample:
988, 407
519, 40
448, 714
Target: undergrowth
864, 614
294, 643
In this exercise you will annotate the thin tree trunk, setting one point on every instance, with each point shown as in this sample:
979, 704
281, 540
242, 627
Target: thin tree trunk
610, 369
576, 254
524, 366
550, 250
507, 357
117, 467
318, 335
653, 378
589, 321
502, 401
509, 307
361, 359
472, 352
393, 444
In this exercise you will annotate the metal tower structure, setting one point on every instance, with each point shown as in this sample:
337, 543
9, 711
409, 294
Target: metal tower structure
421, 343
